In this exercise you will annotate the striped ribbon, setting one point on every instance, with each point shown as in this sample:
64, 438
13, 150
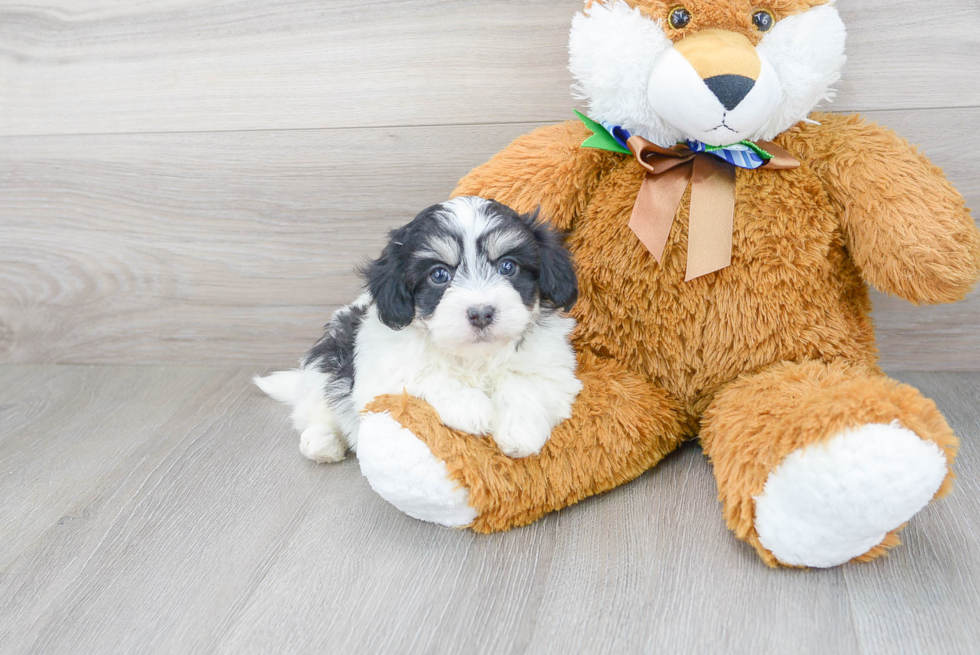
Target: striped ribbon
744, 155
738, 154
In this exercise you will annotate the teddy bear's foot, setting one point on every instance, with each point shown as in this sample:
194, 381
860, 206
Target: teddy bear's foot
830, 502
403, 471
823, 463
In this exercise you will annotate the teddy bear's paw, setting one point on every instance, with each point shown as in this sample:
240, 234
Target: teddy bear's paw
830, 502
322, 444
403, 471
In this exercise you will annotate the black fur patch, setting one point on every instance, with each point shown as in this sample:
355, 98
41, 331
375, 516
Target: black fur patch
398, 280
427, 295
335, 350
546, 265
557, 281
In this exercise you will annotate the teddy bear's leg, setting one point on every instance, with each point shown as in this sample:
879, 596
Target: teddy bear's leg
818, 464
621, 426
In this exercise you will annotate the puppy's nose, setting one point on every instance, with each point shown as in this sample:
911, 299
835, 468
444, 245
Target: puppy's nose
730, 89
481, 316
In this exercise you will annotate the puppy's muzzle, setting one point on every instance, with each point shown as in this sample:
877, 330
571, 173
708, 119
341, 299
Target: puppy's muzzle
481, 316
726, 61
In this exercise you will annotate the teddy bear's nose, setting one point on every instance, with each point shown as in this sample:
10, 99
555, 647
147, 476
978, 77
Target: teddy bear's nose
730, 89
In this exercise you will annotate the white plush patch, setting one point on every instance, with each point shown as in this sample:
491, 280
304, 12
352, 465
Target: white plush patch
626, 69
807, 53
403, 471
612, 50
831, 502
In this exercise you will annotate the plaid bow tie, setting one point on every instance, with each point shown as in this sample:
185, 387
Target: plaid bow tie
744, 154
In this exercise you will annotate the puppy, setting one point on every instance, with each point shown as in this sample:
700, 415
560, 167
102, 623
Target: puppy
462, 310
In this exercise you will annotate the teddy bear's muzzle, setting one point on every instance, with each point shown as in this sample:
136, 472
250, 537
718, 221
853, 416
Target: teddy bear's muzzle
726, 61
714, 87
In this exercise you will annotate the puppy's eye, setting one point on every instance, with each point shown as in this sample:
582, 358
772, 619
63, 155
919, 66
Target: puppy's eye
440, 276
763, 20
507, 267
678, 18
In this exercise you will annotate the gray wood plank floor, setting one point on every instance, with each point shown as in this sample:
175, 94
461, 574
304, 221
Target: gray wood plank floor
167, 509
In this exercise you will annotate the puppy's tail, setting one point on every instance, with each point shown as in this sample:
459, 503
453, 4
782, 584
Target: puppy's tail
284, 386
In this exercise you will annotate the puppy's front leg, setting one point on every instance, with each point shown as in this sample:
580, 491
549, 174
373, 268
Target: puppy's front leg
523, 421
460, 406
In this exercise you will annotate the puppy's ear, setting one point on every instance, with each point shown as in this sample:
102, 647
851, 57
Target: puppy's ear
556, 280
387, 282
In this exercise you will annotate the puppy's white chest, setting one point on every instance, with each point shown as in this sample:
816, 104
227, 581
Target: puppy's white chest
390, 362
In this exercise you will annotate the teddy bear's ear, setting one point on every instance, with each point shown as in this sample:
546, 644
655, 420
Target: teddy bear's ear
388, 284
556, 277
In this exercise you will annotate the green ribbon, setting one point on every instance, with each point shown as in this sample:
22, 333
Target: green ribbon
748, 144
601, 139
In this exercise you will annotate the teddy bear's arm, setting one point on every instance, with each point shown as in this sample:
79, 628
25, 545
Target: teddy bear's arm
546, 168
905, 225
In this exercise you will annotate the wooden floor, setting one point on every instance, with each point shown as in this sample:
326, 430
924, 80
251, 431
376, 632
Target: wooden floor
168, 510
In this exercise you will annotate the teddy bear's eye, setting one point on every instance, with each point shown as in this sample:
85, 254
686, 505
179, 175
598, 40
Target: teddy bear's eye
679, 18
763, 20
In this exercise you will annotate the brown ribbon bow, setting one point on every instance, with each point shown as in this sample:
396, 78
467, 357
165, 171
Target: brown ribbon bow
709, 232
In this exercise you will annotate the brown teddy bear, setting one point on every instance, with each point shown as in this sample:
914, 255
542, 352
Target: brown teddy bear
725, 238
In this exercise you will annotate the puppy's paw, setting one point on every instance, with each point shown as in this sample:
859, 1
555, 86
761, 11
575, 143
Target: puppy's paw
322, 444
519, 435
468, 410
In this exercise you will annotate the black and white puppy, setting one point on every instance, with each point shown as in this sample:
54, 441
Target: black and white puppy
462, 310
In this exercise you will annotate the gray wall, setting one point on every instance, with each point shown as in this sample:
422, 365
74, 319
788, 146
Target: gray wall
186, 182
